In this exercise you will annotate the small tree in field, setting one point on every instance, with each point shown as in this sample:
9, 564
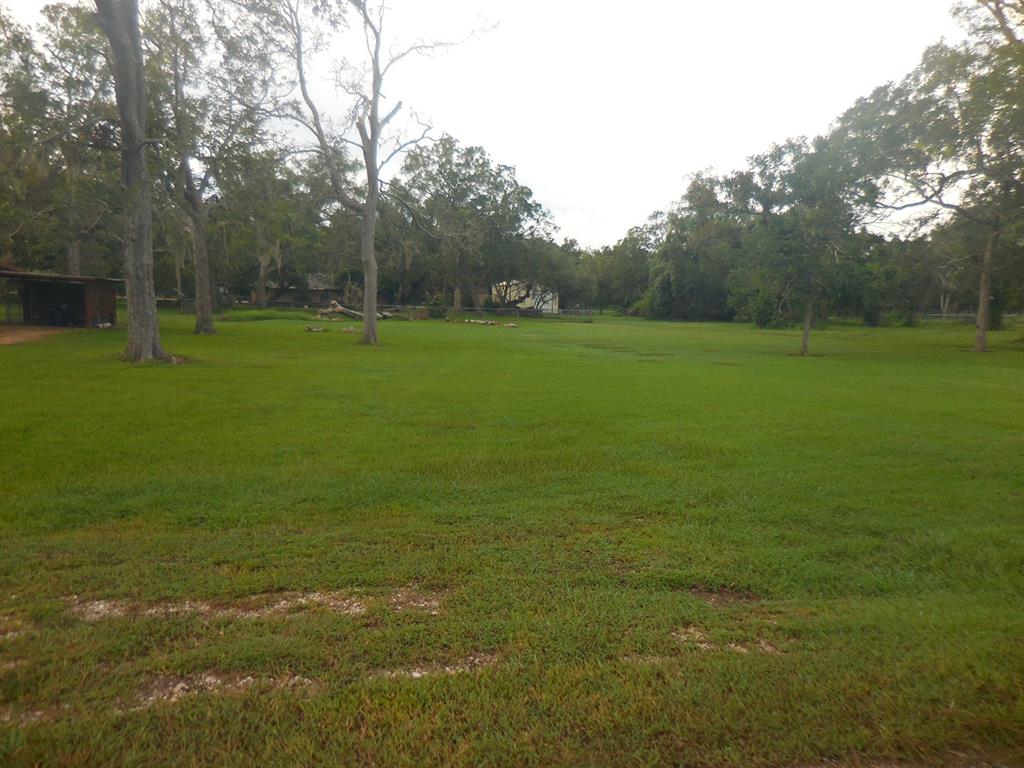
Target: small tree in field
800, 225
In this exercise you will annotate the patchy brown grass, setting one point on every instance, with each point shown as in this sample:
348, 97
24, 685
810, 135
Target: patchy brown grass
646, 660
951, 759
11, 628
23, 334
718, 597
693, 636
698, 638
25, 717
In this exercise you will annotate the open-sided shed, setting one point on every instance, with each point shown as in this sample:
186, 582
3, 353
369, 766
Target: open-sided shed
50, 299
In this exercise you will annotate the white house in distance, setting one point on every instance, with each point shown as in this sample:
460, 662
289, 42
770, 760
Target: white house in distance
524, 295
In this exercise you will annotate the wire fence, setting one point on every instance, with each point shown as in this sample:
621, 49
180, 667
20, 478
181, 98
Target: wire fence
967, 317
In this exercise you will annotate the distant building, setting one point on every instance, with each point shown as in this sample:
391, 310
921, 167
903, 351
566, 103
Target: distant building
319, 291
50, 299
526, 296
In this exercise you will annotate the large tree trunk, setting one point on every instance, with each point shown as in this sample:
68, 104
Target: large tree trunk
179, 266
474, 294
74, 238
204, 289
263, 257
370, 271
985, 294
261, 283
805, 341
369, 211
120, 21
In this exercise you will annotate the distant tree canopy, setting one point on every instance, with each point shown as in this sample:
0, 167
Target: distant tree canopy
243, 203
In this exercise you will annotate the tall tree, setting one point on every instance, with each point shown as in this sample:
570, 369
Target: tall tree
802, 220
482, 221
951, 136
209, 82
25, 175
690, 268
120, 22
295, 36
80, 108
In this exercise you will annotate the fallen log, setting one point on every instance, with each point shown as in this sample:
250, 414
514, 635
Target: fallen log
338, 309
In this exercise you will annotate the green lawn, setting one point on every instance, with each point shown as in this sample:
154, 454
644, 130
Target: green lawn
619, 543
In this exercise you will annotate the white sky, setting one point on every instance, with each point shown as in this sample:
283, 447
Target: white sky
604, 108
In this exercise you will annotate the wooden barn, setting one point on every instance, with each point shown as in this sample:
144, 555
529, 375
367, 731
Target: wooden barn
49, 299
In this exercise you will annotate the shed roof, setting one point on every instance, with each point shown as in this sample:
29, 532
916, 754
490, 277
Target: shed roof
50, 277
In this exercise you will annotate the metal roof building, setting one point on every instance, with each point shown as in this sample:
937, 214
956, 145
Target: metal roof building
63, 300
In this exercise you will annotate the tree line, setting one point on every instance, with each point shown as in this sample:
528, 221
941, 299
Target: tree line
185, 147
794, 236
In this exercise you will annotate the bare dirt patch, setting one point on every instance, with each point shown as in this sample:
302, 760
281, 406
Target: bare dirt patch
698, 638
291, 602
472, 663
256, 607
31, 716
693, 636
409, 599
97, 610
718, 597
23, 334
169, 689
412, 598
11, 628
27, 717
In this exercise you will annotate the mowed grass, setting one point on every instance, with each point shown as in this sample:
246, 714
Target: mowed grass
573, 493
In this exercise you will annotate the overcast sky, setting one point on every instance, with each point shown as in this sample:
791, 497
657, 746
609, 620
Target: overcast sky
604, 108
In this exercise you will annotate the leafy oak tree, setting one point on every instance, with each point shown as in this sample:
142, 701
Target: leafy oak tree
950, 137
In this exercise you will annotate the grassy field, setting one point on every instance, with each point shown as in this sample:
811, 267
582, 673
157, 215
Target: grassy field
609, 544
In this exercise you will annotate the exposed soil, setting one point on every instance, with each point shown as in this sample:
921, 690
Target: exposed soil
22, 334
718, 597
8, 715
414, 599
471, 663
30, 716
170, 689
255, 607
407, 599
693, 636
11, 628
698, 638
